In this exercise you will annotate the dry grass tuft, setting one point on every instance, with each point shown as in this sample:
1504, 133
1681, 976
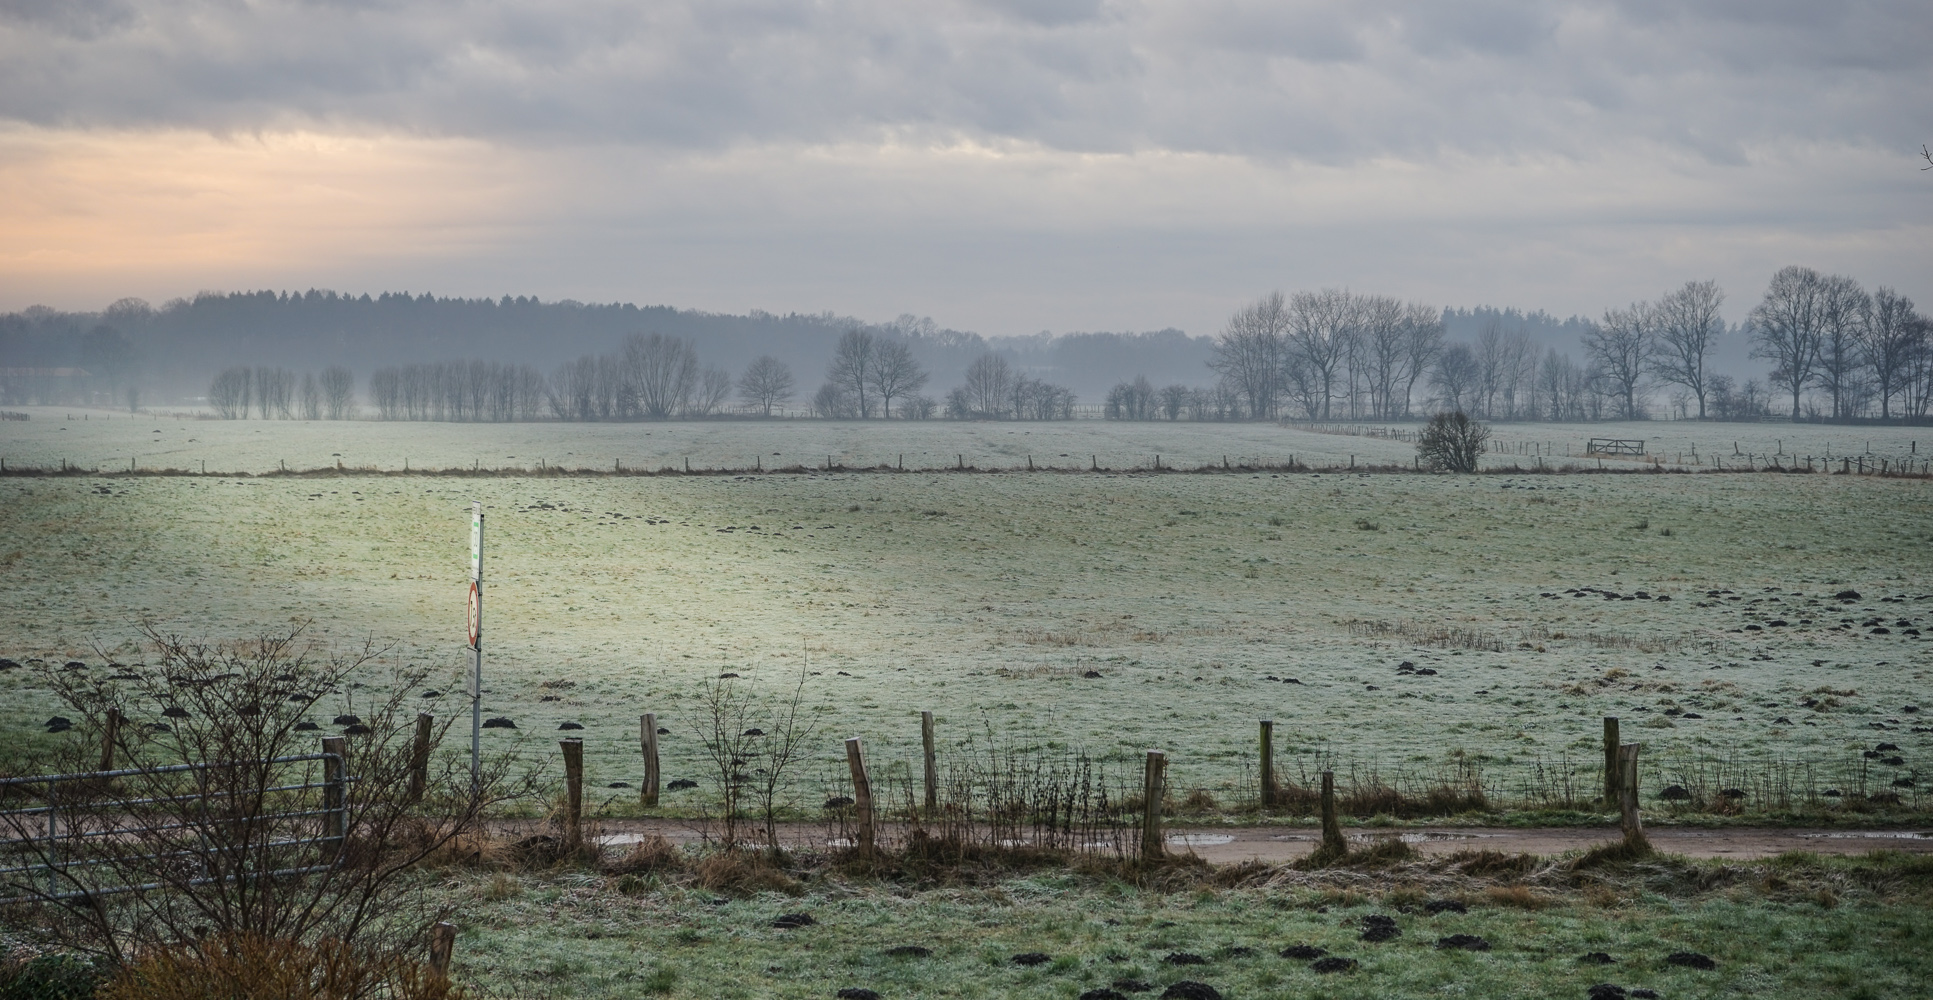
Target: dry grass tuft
256, 967
744, 872
653, 854
1518, 897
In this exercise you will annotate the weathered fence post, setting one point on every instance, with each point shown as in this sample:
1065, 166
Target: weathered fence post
1332, 839
1268, 763
1628, 773
419, 756
932, 765
1153, 788
335, 796
1611, 783
442, 946
862, 796
573, 792
110, 731
648, 732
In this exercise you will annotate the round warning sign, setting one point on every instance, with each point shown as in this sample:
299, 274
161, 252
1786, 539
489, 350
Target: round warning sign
476, 614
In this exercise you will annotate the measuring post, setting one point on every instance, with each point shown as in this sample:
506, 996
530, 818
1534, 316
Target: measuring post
476, 648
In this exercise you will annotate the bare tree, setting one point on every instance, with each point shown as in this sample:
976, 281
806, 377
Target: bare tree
1248, 354
852, 368
1619, 346
338, 393
1384, 345
1843, 307
1321, 326
894, 373
656, 375
1688, 327
833, 402
1786, 328
989, 382
1454, 376
229, 392
1423, 344
310, 398
767, 383
714, 385
1893, 337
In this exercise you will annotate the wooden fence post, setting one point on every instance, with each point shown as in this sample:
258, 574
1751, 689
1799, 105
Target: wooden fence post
1332, 839
419, 756
1268, 763
335, 796
1611, 783
573, 791
442, 946
110, 731
648, 732
1628, 773
932, 765
1153, 788
862, 796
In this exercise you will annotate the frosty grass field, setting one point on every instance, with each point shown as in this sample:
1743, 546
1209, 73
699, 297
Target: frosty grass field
987, 598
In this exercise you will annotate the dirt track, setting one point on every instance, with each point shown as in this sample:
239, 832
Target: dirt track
1222, 845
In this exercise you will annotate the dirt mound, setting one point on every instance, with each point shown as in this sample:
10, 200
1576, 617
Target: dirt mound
1690, 960
1304, 952
1188, 989
1132, 986
1031, 958
1377, 927
1334, 963
1466, 942
793, 921
910, 951
856, 993
1436, 906
1596, 958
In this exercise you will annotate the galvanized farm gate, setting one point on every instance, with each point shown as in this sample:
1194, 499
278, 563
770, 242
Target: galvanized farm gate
135, 829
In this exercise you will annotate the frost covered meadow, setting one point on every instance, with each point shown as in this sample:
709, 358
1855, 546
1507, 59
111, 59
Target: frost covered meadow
1202, 602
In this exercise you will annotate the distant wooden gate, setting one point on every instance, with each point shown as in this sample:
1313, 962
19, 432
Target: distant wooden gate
1614, 446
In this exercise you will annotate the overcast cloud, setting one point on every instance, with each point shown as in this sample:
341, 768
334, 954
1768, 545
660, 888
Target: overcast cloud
1003, 165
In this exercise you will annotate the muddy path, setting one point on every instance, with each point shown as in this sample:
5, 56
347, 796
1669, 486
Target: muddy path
1279, 844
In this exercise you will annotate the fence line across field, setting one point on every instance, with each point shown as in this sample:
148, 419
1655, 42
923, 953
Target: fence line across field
1735, 782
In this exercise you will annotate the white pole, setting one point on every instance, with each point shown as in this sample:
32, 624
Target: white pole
476, 648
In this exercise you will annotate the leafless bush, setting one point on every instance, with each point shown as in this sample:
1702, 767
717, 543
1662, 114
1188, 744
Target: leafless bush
198, 835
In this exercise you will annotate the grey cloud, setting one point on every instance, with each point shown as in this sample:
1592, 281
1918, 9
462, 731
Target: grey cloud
1327, 81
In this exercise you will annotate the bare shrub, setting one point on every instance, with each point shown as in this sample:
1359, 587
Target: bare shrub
199, 836
1452, 442
245, 966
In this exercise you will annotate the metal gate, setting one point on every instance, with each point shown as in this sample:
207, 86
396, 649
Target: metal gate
135, 829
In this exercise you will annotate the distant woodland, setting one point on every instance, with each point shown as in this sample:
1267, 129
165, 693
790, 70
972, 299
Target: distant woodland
1814, 347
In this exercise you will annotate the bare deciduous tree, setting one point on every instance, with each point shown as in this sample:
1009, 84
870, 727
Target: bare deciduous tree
229, 393
852, 368
657, 375
338, 393
1894, 338
894, 374
1248, 354
1843, 307
1619, 346
714, 385
1454, 376
1688, 327
767, 383
989, 381
1321, 326
1786, 329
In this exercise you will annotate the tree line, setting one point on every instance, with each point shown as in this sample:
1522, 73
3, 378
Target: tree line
1838, 353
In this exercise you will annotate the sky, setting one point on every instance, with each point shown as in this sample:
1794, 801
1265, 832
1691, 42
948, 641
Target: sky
1002, 166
